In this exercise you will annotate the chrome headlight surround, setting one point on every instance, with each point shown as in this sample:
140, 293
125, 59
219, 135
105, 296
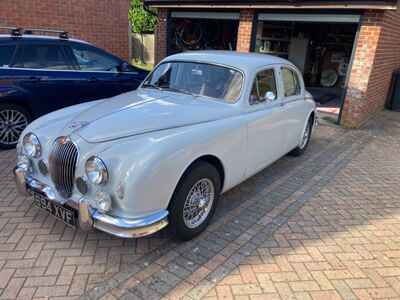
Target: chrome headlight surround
31, 146
96, 171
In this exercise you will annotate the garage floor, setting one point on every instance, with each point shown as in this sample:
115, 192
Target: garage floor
326, 225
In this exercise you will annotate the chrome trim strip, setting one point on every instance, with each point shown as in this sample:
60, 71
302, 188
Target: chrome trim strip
69, 70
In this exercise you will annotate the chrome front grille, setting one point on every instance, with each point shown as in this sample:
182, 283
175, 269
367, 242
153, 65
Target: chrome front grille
62, 164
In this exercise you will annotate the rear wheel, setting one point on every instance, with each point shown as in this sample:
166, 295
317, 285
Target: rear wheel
13, 120
194, 201
305, 140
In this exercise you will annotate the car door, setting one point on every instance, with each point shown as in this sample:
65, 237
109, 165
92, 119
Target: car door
265, 131
42, 70
104, 75
292, 105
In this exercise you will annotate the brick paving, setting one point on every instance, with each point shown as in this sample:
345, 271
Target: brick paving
323, 226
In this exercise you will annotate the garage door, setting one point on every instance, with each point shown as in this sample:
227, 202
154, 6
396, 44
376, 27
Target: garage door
205, 15
325, 18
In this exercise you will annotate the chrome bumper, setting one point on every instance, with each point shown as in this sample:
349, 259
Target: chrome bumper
89, 218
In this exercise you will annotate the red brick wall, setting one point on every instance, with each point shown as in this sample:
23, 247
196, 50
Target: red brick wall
161, 35
245, 30
376, 56
101, 22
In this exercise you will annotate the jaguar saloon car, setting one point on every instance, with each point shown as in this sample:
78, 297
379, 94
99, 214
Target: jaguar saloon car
200, 124
40, 74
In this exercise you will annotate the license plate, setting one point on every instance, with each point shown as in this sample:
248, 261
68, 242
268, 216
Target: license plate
63, 213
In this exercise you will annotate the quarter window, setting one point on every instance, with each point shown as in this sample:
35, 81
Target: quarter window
264, 87
290, 82
42, 57
6, 53
91, 59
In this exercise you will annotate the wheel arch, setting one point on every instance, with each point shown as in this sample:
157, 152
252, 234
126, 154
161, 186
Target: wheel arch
208, 158
312, 116
21, 104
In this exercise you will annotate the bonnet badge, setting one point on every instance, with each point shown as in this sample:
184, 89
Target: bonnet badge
75, 125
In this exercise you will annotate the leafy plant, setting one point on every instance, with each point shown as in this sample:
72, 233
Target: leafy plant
142, 21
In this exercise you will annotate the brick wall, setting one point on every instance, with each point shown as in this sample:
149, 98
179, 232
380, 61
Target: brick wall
161, 35
101, 22
377, 55
245, 30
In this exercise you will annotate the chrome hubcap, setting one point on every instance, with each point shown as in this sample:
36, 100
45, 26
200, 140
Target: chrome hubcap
12, 123
305, 137
198, 203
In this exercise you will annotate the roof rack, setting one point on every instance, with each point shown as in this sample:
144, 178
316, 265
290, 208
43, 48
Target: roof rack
19, 31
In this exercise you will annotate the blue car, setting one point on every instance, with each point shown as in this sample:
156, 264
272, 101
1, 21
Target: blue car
40, 74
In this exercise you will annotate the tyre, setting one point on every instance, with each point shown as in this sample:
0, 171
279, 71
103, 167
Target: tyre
305, 140
13, 120
194, 201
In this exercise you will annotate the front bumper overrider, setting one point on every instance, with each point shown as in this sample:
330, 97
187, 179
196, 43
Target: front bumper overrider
88, 217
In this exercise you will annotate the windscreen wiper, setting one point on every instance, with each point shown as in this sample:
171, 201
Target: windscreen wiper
150, 85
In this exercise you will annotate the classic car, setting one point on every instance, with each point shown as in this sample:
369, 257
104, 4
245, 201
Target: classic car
199, 124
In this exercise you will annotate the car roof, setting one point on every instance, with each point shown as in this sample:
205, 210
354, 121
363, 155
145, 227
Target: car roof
243, 61
39, 37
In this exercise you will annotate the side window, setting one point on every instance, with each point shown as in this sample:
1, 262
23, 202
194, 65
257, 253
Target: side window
264, 87
290, 83
42, 57
91, 59
6, 54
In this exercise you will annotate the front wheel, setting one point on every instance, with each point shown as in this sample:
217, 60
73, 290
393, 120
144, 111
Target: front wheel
194, 201
13, 120
305, 140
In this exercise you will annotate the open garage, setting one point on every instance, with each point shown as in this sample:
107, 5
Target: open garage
346, 50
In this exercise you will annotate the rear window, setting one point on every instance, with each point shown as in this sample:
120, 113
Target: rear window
6, 54
42, 57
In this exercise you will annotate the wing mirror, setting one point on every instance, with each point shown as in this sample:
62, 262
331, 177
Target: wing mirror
124, 67
270, 96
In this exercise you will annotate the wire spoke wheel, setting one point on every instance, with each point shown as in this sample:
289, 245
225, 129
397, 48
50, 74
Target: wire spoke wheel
12, 123
199, 202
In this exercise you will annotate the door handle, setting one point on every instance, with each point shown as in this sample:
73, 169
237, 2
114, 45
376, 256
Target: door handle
34, 78
93, 79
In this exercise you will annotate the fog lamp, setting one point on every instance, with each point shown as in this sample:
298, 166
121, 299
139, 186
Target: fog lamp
103, 202
81, 185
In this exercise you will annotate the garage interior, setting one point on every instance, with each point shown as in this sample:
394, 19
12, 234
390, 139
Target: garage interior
321, 46
202, 31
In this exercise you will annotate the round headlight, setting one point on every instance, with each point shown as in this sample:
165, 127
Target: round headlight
96, 170
31, 145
